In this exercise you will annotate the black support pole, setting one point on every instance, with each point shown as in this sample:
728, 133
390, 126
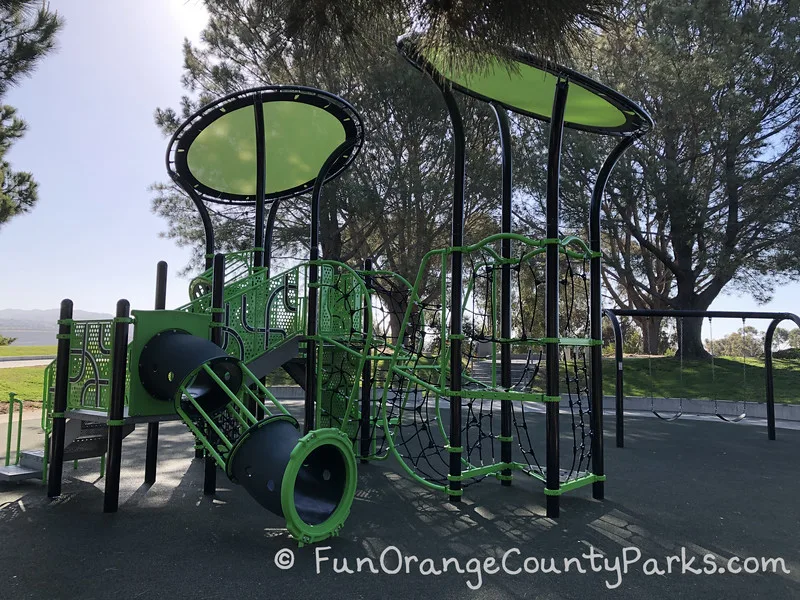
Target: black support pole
553, 478
366, 373
116, 411
268, 237
770, 375
770, 381
619, 389
208, 226
596, 314
505, 290
456, 259
60, 401
261, 181
151, 454
217, 318
313, 283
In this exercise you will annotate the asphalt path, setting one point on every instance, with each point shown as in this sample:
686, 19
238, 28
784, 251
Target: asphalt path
685, 501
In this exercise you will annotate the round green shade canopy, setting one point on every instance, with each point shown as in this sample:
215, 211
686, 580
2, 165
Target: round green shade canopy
529, 87
218, 152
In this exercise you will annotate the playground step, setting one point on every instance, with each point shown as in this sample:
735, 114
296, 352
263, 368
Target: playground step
91, 440
32, 459
18, 473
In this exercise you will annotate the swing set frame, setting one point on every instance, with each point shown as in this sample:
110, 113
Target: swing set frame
776, 318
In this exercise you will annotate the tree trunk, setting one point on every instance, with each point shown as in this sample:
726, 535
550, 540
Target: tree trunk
690, 340
651, 333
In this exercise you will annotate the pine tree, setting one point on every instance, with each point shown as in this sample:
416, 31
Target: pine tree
27, 33
709, 199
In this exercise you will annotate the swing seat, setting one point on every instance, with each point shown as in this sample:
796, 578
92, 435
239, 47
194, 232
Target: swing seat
731, 418
677, 415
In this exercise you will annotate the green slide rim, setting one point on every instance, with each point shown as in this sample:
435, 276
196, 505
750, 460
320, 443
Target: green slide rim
300, 530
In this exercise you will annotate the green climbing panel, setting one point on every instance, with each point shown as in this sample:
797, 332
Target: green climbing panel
147, 323
90, 355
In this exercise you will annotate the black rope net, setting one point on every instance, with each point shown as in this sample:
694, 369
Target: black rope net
342, 308
416, 415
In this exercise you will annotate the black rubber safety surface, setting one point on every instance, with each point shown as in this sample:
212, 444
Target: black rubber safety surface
684, 501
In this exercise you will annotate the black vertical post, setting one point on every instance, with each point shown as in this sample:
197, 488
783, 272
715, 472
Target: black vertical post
313, 283
366, 372
596, 316
151, 454
60, 401
456, 259
619, 390
273, 214
208, 226
116, 411
505, 290
553, 479
770, 381
217, 318
311, 327
261, 181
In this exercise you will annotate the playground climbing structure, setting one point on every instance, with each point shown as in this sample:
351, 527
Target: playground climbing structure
390, 368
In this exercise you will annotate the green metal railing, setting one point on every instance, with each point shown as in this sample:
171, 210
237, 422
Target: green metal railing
235, 408
12, 402
433, 378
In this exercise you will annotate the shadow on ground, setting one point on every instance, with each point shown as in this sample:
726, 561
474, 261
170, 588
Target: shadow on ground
706, 488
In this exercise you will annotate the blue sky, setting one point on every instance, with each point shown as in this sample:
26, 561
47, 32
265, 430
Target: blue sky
94, 149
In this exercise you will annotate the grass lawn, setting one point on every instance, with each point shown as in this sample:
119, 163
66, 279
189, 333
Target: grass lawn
659, 377
27, 350
26, 382
662, 377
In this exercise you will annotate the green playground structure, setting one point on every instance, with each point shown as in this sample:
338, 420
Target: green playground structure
388, 370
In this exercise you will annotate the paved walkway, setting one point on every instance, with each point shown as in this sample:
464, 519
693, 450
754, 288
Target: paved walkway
704, 489
13, 364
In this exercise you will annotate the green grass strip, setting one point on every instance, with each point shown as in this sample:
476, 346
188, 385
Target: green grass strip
28, 351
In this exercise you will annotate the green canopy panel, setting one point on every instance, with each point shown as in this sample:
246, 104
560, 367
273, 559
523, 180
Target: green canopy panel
529, 87
216, 152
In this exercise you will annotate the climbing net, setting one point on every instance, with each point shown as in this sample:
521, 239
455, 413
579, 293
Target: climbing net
345, 334
416, 398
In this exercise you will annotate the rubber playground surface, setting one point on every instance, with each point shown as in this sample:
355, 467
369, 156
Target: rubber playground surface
688, 489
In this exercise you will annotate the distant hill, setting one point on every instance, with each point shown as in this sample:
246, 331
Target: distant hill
37, 327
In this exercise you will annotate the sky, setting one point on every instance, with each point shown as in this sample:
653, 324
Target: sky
94, 149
